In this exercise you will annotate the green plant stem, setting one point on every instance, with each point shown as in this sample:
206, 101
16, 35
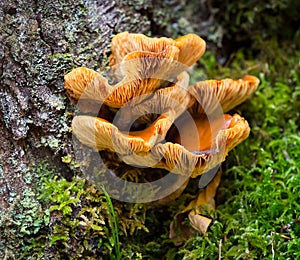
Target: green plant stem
113, 220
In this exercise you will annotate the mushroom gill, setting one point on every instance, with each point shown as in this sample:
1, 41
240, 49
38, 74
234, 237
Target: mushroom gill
207, 150
142, 73
191, 47
100, 134
139, 65
174, 98
227, 93
115, 135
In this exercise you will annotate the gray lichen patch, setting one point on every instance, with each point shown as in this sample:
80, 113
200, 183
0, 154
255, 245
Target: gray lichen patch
23, 218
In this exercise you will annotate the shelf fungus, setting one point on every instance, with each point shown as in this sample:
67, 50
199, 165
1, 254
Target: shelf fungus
149, 116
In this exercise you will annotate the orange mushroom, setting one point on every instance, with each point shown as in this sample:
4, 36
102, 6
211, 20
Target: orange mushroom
191, 47
141, 63
185, 130
227, 93
176, 158
204, 141
101, 134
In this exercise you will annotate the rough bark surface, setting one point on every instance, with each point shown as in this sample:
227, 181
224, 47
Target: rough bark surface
40, 41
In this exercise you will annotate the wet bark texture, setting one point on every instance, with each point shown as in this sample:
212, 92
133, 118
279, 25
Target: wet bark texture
40, 41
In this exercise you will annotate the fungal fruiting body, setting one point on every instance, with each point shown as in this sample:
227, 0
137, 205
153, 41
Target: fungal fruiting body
150, 116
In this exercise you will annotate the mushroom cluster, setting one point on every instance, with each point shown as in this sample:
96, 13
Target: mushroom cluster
147, 113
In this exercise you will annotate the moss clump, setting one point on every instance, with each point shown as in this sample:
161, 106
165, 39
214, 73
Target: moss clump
76, 211
245, 21
72, 220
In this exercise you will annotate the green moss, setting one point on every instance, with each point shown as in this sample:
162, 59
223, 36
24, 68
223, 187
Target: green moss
68, 219
274, 18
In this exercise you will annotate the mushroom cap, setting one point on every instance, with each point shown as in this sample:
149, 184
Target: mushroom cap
100, 134
210, 94
191, 47
77, 81
175, 158
172, 98
139, 64
143, 73
125, 43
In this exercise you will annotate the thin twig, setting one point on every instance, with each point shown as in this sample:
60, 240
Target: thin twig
220, 250
272, 246
7, 254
